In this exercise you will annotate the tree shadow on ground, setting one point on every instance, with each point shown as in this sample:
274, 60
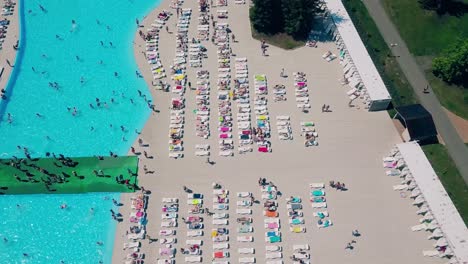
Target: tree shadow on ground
456, 8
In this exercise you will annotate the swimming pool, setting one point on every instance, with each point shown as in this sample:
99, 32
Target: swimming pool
53, 50
37, 226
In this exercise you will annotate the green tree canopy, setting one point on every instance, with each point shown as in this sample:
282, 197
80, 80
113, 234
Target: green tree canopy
452, 66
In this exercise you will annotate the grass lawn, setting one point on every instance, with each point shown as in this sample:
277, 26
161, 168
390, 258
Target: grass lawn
428, 34
89, 182
281, 40
388, 67
449, 176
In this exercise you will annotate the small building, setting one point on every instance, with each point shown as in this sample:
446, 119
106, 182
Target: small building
418, 123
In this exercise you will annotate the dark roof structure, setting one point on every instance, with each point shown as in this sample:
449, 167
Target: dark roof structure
418, 121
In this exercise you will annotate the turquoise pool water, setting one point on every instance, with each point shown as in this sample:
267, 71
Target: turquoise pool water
53, 50
37, 226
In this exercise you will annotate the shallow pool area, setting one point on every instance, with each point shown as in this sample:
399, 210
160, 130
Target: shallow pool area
72, 53
37, 226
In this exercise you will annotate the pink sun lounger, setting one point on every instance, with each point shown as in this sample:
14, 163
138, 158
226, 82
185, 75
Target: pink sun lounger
263, 149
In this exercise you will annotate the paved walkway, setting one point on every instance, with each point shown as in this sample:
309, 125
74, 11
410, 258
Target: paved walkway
417, 79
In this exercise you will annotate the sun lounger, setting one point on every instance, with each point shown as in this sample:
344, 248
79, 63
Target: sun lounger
272, 226
273, 248
249, 260
267, 196
193, 259
195, 233
270, 214
243, 211
194, 201
226, 153
220, 222
172, 223
296, 221
169, 215
131, 245
202, 153
321, 214
221, 191
244, 194
400, 187
220, 216
301, 247
301, 255
246, 250
244, 238
170, 200
326, 223
220, 207
277, 261
273, 239
166, 261
294, 206
220, 238
297, 229
217, 200
273, 255
218, 246
244, 203
194, 242
169, 240
167, 232
319, 205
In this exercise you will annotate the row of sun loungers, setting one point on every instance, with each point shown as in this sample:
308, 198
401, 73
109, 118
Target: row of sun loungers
309, 133
7, 10
296, 222
220, 234
271, 223
242, 98
263, 130
283, 125
427, 222
152, 46
244, 220
137, 218
225, 95
203, 111
301, 254
177, 116
169, 221
301, 91
318, 200
279, 92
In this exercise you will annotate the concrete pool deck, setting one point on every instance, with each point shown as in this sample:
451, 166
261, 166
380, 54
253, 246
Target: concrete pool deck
352, 143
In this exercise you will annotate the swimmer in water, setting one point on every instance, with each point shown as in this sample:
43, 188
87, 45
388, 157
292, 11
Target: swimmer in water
100, 243
73, 26
63, 206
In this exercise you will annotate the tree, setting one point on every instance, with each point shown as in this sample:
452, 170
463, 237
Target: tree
262, 16
437, 5
298, 16
452, 65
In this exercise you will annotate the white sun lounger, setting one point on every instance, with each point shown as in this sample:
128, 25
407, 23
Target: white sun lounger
169, 224
226, 153
131, 245
220, 222
319, 205
278, 261
250, 260
243, 211
202, 146
220, 191
244, 194
273, 248
221, 246
244, 203
202, 153
192, 259
220, 215
244, 238
273, 255
246, 250
194, 242
169, 240
170, 200
169, 215
166, 261
140, 235
167, 232
215, 200
195, 233
301, 247
400, 187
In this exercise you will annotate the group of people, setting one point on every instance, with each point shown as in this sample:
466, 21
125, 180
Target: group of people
338, 185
